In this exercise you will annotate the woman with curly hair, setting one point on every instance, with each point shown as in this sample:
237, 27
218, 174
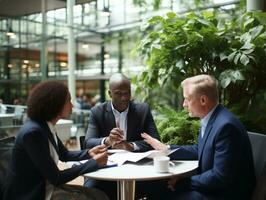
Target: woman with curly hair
33, 171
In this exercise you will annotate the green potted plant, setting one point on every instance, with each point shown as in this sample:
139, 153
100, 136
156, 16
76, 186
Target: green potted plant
176, 127
230, 47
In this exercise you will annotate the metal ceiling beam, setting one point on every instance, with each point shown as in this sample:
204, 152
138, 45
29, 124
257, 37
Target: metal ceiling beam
17, 8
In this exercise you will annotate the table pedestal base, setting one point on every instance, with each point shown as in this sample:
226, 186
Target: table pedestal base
126, 190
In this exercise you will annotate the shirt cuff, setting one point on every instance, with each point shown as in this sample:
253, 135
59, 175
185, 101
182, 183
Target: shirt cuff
103, 140
136, 148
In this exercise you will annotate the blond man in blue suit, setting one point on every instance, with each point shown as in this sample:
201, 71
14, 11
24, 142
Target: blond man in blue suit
223, 150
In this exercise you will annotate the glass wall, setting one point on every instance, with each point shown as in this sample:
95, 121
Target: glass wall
105, 32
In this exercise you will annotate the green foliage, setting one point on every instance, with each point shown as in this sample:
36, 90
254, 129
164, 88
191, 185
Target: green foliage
139, 2
176, 127
156, 3
230, 47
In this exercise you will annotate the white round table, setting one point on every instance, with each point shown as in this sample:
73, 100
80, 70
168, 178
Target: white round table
127, 174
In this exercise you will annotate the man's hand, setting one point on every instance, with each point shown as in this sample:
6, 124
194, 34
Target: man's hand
97, 150
123, 145
156, 144
116, 135
172, 183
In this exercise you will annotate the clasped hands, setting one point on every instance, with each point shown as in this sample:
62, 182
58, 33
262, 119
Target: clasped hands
116, 140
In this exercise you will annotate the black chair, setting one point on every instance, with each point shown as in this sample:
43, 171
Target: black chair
258, 144
6, 146
81, 142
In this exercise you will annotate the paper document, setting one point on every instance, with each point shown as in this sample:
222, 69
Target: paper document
121, 157
161, 153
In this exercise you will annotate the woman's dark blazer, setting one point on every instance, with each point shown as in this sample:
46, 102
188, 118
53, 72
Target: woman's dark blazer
31, 164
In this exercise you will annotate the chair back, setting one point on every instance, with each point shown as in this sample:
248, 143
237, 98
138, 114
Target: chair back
6, 146
258, 144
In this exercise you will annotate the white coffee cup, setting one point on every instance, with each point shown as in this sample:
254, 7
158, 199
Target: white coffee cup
162, 163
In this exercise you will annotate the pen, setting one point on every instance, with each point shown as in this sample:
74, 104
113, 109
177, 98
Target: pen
107, 166
77, 164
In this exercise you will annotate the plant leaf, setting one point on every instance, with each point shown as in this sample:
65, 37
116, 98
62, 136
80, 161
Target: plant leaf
229, 76
231, 56
244, 59
237, 75
247, 45
248, 21
179, 64
225, 82
223, 56
237, 58
248, 51
171, 15
254, 32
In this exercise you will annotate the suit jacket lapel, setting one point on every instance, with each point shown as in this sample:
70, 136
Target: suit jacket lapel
50, 136
202, 141
200, 144
130, 121
110, 118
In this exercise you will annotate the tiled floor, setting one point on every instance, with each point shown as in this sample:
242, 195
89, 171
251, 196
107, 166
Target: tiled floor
77, 181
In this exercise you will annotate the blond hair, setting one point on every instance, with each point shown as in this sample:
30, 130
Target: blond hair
203, 85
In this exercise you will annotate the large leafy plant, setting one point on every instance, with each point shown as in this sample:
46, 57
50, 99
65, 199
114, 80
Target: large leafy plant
176, 127
230, 48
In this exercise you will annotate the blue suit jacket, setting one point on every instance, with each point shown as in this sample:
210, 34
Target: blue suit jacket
31, 164
102, 121
225, 159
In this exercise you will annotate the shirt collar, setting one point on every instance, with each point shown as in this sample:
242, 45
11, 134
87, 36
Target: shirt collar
51, 127
204, 121
116, 111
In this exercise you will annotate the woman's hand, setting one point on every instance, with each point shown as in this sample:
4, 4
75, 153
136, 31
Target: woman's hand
101, 158
156, 144
99, 153
97, 150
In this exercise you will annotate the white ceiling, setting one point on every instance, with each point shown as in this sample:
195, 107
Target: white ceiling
16, 8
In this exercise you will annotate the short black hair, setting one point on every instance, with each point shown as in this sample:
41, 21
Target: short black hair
47, 100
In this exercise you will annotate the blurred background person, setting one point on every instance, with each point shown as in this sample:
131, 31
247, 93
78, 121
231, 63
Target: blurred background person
3, 108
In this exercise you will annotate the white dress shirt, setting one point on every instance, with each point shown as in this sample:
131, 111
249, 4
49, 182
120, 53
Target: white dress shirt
49, 188
121, 122
204, 121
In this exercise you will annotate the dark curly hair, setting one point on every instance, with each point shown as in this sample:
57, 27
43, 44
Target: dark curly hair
47, 100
